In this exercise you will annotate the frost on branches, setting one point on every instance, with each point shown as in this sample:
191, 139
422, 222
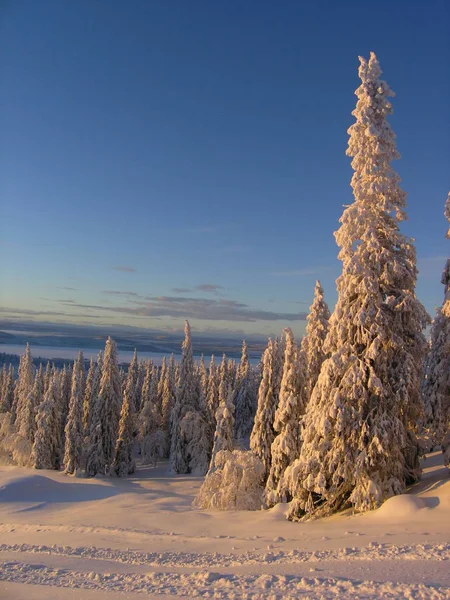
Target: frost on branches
436, 384
316, 332
74, 426
291, 406
106, 414
357, 447
235, 483
245, 398
190, 435
46, 452
263, 433
124, 463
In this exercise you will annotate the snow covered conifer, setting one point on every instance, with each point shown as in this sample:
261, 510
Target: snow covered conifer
24, 383
189, 451
316, 332
91, 391
291, 406
124, 463
110, 400
245, 397
106, 415
74, 430
46, 452
263, 433
436, 384
213, 391
356, 445
133, 381
26, 420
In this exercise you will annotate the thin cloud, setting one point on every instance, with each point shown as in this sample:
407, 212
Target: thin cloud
68, 289
203, 309
124, 269
209, 287
181, 290
120, 293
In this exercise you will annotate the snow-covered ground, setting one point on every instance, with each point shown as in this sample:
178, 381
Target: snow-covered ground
107, 539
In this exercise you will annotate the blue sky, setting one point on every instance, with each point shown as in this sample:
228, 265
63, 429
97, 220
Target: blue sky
170, 159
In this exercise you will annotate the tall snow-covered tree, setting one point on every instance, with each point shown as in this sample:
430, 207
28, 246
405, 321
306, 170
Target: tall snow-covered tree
132, 383
105, 421
263, 432
91, 391
316, 332
24, 384
245, 399
26, 419
212, 399
124, 463
356, 444
190, 447
436, 384
73, 449
46, 452
291, 406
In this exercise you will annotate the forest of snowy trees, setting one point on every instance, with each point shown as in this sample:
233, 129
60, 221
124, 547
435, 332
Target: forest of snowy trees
340, 419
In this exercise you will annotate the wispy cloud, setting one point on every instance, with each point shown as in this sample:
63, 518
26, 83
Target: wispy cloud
204, 309
124, 268
209, 288
68, 289
120, 293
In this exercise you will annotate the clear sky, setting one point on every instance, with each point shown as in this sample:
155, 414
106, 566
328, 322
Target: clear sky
171, 159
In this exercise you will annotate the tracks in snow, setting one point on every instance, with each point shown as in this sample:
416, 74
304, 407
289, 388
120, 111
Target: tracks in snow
375, 551
217, 585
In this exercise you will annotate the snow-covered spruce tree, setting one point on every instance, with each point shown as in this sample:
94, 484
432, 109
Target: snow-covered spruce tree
223, 436
162, 375
64, 392
356, 447
203, 375
26, 420
316, 332
124, 463
91, 391
132, 383
167, 400
291, 406
46, 452
190, 435
245, 399
263, 433
212, 398
73, 448
24, 383
436, 384
152, 435
8, 391
47, 376
106, 415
